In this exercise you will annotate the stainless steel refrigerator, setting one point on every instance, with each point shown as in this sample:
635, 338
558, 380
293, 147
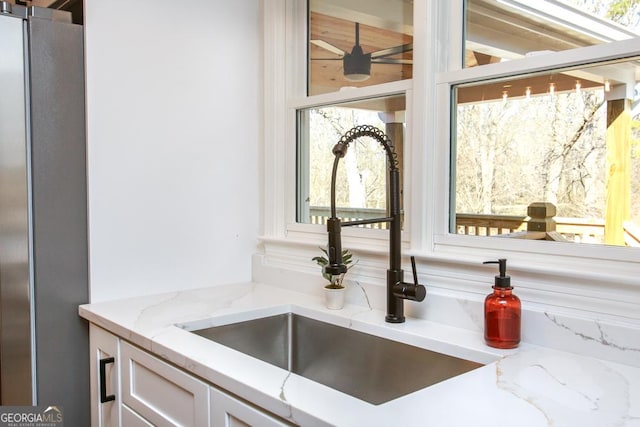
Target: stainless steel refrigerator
43, 212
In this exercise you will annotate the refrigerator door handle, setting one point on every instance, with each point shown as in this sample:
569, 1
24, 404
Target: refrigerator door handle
103, 381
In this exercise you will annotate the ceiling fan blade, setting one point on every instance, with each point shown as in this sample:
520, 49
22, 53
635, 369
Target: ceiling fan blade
328, 46
392, 61
392, 51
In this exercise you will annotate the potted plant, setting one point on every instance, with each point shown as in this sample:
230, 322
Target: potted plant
334, 291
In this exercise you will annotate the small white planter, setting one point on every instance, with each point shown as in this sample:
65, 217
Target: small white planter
334, 298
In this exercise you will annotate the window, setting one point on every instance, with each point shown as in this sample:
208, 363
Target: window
546, 147
360, 60
358, 44
498, 31
361, 184
441, 121
550, 156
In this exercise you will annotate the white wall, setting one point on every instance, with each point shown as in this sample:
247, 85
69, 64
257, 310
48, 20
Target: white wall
173, 121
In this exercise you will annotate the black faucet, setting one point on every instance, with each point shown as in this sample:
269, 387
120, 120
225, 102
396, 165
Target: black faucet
397, 289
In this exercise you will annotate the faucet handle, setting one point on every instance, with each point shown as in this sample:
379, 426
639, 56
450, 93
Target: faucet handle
411, 291
413, 269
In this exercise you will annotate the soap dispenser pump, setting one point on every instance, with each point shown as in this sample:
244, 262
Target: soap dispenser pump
502, 311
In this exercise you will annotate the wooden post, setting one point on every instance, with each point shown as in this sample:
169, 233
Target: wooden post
618, 170
541, 216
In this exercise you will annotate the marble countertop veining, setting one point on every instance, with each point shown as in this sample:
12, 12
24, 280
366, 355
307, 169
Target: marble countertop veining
528, 387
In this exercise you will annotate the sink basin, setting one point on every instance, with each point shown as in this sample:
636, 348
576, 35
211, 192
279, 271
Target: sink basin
365, 366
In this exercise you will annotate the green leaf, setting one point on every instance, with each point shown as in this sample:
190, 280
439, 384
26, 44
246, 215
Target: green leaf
320, 260
347, 258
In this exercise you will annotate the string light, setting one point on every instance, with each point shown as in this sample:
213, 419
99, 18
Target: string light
578, 86
552, 89
607, 86
527, 92
504, 96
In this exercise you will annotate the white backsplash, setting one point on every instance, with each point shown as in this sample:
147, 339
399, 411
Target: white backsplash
549, 326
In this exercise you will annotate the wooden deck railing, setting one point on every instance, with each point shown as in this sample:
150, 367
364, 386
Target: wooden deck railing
631, 234
576, 230
320, 214
489, 225
581, 230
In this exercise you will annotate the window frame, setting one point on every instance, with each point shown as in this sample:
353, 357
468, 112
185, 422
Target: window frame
534, 256
297, 99
552, 273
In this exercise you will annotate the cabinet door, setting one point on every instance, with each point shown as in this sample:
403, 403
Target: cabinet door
105, 378
161, 393
132, 419
227, 411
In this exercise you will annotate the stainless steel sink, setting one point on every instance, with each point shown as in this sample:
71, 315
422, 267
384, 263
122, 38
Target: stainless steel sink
365, 366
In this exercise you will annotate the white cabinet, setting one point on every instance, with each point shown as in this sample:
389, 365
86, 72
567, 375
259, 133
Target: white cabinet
133, 388
132, 419
105, 378
161, 393
227, 411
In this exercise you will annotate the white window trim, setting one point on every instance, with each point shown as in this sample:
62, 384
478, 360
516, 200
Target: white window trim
280, 204
618, 263
596, 279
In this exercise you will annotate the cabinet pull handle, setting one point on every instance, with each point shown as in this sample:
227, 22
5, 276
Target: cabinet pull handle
103, 380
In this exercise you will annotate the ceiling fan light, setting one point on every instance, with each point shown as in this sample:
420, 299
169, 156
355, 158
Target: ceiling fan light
356, 65
356, 77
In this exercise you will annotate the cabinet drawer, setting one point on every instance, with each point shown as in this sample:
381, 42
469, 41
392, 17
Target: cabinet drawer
132, 419
227, 411
161, 393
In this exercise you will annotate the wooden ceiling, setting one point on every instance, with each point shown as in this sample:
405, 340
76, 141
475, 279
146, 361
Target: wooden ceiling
327, 75
495, 33
517, 88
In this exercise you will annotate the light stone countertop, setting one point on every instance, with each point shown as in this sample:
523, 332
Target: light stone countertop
530, 386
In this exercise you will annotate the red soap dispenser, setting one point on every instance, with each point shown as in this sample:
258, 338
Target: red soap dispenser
502, 311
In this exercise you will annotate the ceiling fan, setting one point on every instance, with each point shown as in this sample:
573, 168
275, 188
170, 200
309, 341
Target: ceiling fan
357, 64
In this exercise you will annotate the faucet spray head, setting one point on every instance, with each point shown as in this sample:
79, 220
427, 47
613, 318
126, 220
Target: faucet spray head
340, 149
